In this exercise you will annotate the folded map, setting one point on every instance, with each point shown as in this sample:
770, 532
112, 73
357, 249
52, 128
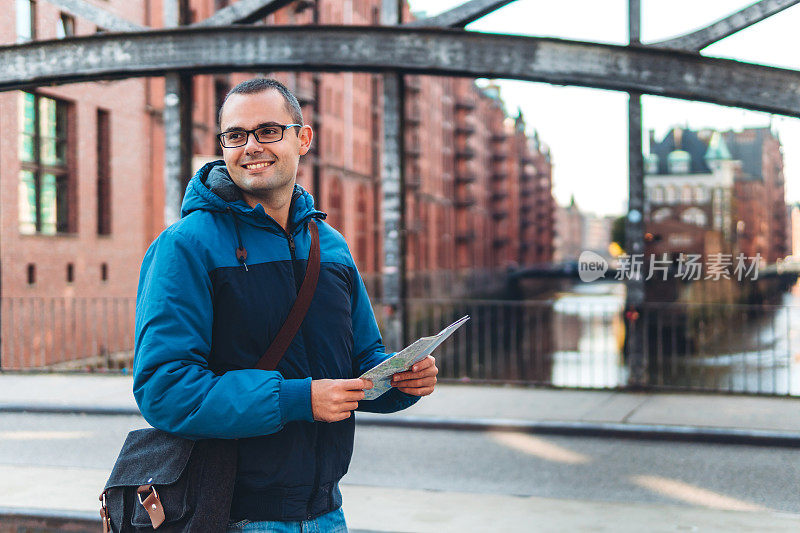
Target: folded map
381, 374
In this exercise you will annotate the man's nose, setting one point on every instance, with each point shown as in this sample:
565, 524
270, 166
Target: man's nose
253, 146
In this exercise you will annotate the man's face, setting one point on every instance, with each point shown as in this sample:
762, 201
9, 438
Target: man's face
261, 170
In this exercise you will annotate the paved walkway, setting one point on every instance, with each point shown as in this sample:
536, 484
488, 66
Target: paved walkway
672, 415
642, 415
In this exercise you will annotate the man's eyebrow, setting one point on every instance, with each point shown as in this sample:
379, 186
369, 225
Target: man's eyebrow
262, 125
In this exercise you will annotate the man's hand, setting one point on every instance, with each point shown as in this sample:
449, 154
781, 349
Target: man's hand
420, 380
332, 400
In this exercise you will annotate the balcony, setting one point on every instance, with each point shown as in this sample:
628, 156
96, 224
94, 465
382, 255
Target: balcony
466, 177
413, 115
465, 202
465, 153
499, 155
413, 150
302, 5
465, 237
465, 129
465, 103
498, 196
413, 182
499, 137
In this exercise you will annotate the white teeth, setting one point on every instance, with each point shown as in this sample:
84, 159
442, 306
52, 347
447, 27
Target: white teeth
255, 166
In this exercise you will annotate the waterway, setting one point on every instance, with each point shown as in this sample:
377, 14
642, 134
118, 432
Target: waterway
754, 349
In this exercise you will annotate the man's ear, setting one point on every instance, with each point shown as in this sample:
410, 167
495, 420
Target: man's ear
305, 134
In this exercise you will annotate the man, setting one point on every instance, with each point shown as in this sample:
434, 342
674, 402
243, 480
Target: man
214, 290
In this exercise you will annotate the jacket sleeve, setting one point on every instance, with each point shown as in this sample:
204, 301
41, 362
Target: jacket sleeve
368, 351
173, 385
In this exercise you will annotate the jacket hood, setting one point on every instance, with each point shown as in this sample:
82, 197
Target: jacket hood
212, 189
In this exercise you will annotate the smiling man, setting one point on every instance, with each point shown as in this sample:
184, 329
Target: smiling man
214, 290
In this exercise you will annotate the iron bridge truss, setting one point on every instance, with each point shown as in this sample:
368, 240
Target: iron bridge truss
227, 42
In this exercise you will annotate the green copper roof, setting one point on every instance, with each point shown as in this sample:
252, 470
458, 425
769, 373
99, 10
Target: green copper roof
717, 149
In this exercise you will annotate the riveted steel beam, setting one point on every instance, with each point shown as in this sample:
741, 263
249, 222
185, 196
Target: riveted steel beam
101, 17
634, 221
421, 51
697, 40
460, 16
393, 282
243, 12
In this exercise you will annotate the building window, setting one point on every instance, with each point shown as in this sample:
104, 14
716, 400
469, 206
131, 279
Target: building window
44, 185
695, 216
672, 194
686, 194
700, 194
70, 272
679, 162
26, 20
362, 228
335, 215
104, 271
31, 273
662, 214
657, 195
66, 26
651, 164
103, 173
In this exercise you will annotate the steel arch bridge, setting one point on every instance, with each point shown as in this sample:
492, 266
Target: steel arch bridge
439, 45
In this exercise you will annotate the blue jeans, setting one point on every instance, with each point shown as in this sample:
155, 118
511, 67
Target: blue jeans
332, 522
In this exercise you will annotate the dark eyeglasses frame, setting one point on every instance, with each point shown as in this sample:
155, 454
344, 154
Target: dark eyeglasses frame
283, 128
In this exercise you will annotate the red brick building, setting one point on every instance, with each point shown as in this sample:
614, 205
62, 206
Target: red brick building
87, 162
711, 192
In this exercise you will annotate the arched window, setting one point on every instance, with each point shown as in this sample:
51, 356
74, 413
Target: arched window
672, 194
657, 195
686, 194
660, 215
695, 216
700, 194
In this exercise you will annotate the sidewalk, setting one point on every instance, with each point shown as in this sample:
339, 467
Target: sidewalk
38, 490
678, 416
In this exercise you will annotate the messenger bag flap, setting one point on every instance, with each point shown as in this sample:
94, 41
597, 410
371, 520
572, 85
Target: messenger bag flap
150, 457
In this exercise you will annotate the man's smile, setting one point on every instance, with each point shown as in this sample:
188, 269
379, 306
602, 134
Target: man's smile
257, 165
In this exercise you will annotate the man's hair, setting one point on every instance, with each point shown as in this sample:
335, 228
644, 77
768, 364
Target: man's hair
260, 85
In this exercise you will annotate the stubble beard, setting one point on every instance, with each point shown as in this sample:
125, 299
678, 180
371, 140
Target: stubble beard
267, 190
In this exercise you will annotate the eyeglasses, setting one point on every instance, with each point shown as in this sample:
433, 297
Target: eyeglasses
264, 134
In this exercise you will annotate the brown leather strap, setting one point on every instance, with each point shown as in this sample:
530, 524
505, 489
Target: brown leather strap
152, 504
273, 355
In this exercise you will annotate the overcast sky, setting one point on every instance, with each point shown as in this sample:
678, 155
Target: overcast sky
586, 129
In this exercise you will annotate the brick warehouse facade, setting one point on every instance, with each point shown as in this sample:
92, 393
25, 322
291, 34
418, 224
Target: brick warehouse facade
478, 189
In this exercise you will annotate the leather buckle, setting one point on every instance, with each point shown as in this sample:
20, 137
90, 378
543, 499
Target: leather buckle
152, 504
104, 514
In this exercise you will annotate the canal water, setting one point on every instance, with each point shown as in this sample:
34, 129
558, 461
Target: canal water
754, 349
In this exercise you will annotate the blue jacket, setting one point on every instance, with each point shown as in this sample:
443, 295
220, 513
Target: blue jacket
203, 320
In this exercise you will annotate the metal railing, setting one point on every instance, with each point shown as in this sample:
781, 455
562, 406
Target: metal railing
70, 333
564, 342
571, 342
